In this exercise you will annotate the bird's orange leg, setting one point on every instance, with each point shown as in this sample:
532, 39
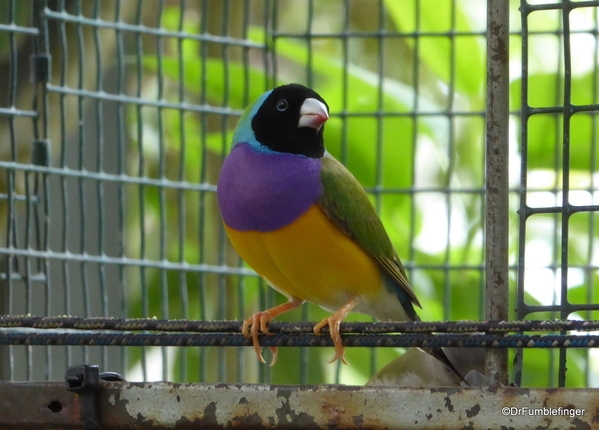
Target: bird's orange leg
334, 322
258, 324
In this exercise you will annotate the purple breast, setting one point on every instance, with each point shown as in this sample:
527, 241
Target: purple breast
264, 191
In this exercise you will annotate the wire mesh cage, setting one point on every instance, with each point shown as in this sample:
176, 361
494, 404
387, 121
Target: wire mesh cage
557, 102
117, 116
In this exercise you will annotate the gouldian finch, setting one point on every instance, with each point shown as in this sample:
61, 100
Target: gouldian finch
416, 368
303, 222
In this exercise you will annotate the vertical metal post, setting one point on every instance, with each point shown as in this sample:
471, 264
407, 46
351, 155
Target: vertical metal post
497, 184
5, 273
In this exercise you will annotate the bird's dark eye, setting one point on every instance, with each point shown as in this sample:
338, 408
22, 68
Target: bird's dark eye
282, 105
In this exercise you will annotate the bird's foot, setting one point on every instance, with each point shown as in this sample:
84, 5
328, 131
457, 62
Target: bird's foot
252, 327
334, 324
257, 323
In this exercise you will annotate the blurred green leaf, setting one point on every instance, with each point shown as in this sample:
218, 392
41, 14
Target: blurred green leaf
544, 130
21, 14
436, 52
242, 84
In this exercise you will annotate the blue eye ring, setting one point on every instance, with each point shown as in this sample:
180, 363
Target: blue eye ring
282, 105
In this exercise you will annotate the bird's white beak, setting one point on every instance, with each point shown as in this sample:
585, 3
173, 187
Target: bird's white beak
313, 113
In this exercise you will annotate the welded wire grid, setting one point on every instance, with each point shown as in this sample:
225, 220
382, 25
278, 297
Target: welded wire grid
557, 265
120, 218
143, 99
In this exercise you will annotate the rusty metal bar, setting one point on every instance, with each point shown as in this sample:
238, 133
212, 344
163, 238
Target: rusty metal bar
162, 405
497, 171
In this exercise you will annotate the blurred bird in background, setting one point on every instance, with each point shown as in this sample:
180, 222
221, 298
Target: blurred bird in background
417, 368
304, 223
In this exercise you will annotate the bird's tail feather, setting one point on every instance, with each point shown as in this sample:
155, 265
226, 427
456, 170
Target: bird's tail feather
438, 353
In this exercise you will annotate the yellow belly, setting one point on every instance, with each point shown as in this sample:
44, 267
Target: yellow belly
310, 259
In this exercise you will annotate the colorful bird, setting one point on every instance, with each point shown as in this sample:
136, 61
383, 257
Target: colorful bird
303, 222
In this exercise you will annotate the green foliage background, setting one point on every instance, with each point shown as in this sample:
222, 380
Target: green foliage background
405, 81
407, 119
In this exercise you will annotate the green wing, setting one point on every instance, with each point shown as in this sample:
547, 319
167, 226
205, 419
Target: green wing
346, 204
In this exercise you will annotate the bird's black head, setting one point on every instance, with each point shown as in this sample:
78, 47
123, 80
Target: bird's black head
291, 120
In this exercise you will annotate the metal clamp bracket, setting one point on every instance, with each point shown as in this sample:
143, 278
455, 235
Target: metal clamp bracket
85, 381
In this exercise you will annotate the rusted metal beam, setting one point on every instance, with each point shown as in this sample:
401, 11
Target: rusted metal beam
38, 405
497, 178
164, 405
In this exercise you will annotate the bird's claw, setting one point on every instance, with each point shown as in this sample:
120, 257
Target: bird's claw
252, 327
334, 325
